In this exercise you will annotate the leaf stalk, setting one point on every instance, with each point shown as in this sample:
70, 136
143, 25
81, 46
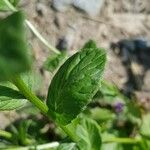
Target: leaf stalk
122, 140
19, 83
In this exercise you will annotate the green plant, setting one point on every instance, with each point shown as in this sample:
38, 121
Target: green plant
71, 90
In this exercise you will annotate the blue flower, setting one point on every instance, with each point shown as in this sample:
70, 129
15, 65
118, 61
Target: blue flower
118, 107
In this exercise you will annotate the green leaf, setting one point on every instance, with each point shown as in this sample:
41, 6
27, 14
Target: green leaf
133, 113
86, 133
75, 84
89, 135
23, 132
14, 2
33, 80
110, 146
67, 146
90, 44
52, 62
108, 91
4, 7
10, 99
13, 46
101, 114
145, 128
145, 144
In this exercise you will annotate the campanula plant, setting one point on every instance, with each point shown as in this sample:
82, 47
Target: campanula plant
77, 81
71, 89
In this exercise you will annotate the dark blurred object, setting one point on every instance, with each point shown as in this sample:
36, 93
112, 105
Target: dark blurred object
40, 8
128, 49
135, 56
62, 44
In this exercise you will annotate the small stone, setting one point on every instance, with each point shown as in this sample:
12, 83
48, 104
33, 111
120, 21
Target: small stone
61, 5
91, 7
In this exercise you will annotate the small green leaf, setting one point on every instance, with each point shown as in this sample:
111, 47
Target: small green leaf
86, 133
75, 84
33, 80
4, 7
23, 132
110, 146
107, 91
10, 99
89, 135
145, 144
13, 46
67, 146
101, 114
133, 113
52, 62
90, 44
145, 128
14, 2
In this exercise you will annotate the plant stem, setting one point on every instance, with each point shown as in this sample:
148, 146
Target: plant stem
44, 109
69, 133
38, 147
122, 140
40, 37
10, 6
5, 134
19, 83
34, 30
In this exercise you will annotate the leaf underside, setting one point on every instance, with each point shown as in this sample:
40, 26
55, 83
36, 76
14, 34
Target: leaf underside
10, 99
